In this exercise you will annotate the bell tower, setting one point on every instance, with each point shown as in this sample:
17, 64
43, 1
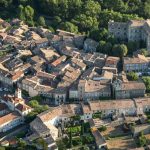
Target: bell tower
18, 93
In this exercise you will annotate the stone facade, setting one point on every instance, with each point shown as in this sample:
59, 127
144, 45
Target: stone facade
130, 89
136, 64
134, 30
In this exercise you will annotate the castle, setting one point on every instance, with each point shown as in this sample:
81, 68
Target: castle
133, 30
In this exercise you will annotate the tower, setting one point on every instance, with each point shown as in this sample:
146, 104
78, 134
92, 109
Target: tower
18, 93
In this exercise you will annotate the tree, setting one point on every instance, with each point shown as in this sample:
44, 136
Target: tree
75, 7
99, 34
86, 23
102, 128
119, 50
147, 8
92, 8
100, 46
132, 76
30, 116
104, 47
68, 26
21, 13
146, 81
34, 103
70, 138
116, 5
5, 3
63, 8
41, 21
108, 48
42, 143
132, 46
29, 15
142, 141
144, 52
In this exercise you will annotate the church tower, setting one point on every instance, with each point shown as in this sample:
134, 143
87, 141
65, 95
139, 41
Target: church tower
18, 93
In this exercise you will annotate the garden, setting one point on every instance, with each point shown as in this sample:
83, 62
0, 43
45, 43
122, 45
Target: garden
76, 135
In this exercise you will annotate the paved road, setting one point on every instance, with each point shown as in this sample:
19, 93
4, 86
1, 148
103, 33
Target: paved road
14, 132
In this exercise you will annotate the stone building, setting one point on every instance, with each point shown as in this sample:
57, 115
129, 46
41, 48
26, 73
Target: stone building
90, 89
136, 64
130, 89
134, 30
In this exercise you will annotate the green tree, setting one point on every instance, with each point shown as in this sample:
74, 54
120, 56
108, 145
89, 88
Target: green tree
68, 26
41, 21
63, 8
116, 5
142, 141
147, 8
5, 3
21, 13
102, 128
86, 23
42, 143
75, 8
34, 103
104, 47
144, 52
132, 46
100, 47
70, 138
29, 14
92, 8
132, 76
119, 50
146, 81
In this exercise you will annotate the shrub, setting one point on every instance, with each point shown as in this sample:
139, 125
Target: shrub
102, 128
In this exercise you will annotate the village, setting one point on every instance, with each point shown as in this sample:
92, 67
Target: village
69, 96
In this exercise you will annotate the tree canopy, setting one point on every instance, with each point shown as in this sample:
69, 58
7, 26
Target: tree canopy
89, 17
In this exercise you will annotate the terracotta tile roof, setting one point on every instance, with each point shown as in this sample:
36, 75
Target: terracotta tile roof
133, 85
142, 102
63, 110
95, 86
23, 107
112, 60
59, 60
13, 99
9, 117
135, 60
111, 104
17, 75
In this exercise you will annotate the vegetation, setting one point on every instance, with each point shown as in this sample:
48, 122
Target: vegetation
142, 141
88, 17
25, 93
77, 117
40, 142
76, 129
102, 128
97, 115
119, 50
132, 76
146, 80
88, 139
37, 110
